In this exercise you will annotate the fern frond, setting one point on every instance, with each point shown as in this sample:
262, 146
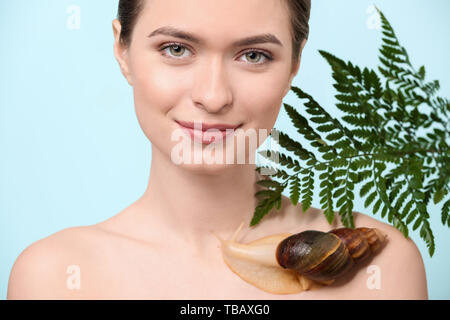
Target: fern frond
379, 127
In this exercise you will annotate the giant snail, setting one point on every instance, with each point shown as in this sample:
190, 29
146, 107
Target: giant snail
290, 263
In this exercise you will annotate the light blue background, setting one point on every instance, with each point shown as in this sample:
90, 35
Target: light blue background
71, 150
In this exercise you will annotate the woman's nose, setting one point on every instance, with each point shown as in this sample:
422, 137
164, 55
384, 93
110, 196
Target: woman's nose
211, 90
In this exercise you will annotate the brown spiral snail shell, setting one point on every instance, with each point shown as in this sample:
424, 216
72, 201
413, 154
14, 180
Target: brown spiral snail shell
290, 263
325, 256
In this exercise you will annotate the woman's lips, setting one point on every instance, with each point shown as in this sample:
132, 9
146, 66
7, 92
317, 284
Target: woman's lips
207, 133
206, 126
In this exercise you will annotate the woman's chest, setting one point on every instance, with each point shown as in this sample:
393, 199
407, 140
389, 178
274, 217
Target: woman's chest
151, 274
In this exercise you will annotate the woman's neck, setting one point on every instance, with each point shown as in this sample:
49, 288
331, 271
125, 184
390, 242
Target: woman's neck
188, 205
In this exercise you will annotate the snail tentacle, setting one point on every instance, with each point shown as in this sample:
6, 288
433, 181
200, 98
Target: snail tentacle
255, 263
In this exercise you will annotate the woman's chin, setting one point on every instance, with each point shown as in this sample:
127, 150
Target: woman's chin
213, 168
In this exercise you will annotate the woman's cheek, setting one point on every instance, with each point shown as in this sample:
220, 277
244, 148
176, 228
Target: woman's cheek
152, 100
264, 100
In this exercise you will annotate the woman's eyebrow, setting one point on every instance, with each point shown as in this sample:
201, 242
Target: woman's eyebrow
177, 33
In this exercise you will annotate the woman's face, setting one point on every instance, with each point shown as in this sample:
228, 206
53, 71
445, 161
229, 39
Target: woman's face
215, 80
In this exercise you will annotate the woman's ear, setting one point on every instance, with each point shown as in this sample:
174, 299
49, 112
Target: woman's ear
120, 52
295, 68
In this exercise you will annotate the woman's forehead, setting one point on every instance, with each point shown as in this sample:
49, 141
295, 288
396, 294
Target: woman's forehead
198, 18
230, 9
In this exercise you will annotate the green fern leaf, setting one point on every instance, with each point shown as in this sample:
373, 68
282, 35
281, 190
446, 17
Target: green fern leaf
379, 127
445, 216
295, 190
427, 235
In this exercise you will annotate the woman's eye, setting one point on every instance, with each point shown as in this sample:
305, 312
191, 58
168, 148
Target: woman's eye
255, 56
176, 50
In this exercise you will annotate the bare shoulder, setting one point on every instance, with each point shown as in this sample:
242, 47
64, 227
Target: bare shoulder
48, 268
400, 261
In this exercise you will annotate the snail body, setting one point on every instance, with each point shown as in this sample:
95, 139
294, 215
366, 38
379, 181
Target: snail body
290, 263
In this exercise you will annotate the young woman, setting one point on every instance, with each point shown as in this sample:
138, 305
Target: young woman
220, 64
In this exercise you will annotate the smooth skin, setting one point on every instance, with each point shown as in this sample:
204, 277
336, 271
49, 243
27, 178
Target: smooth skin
161, 246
